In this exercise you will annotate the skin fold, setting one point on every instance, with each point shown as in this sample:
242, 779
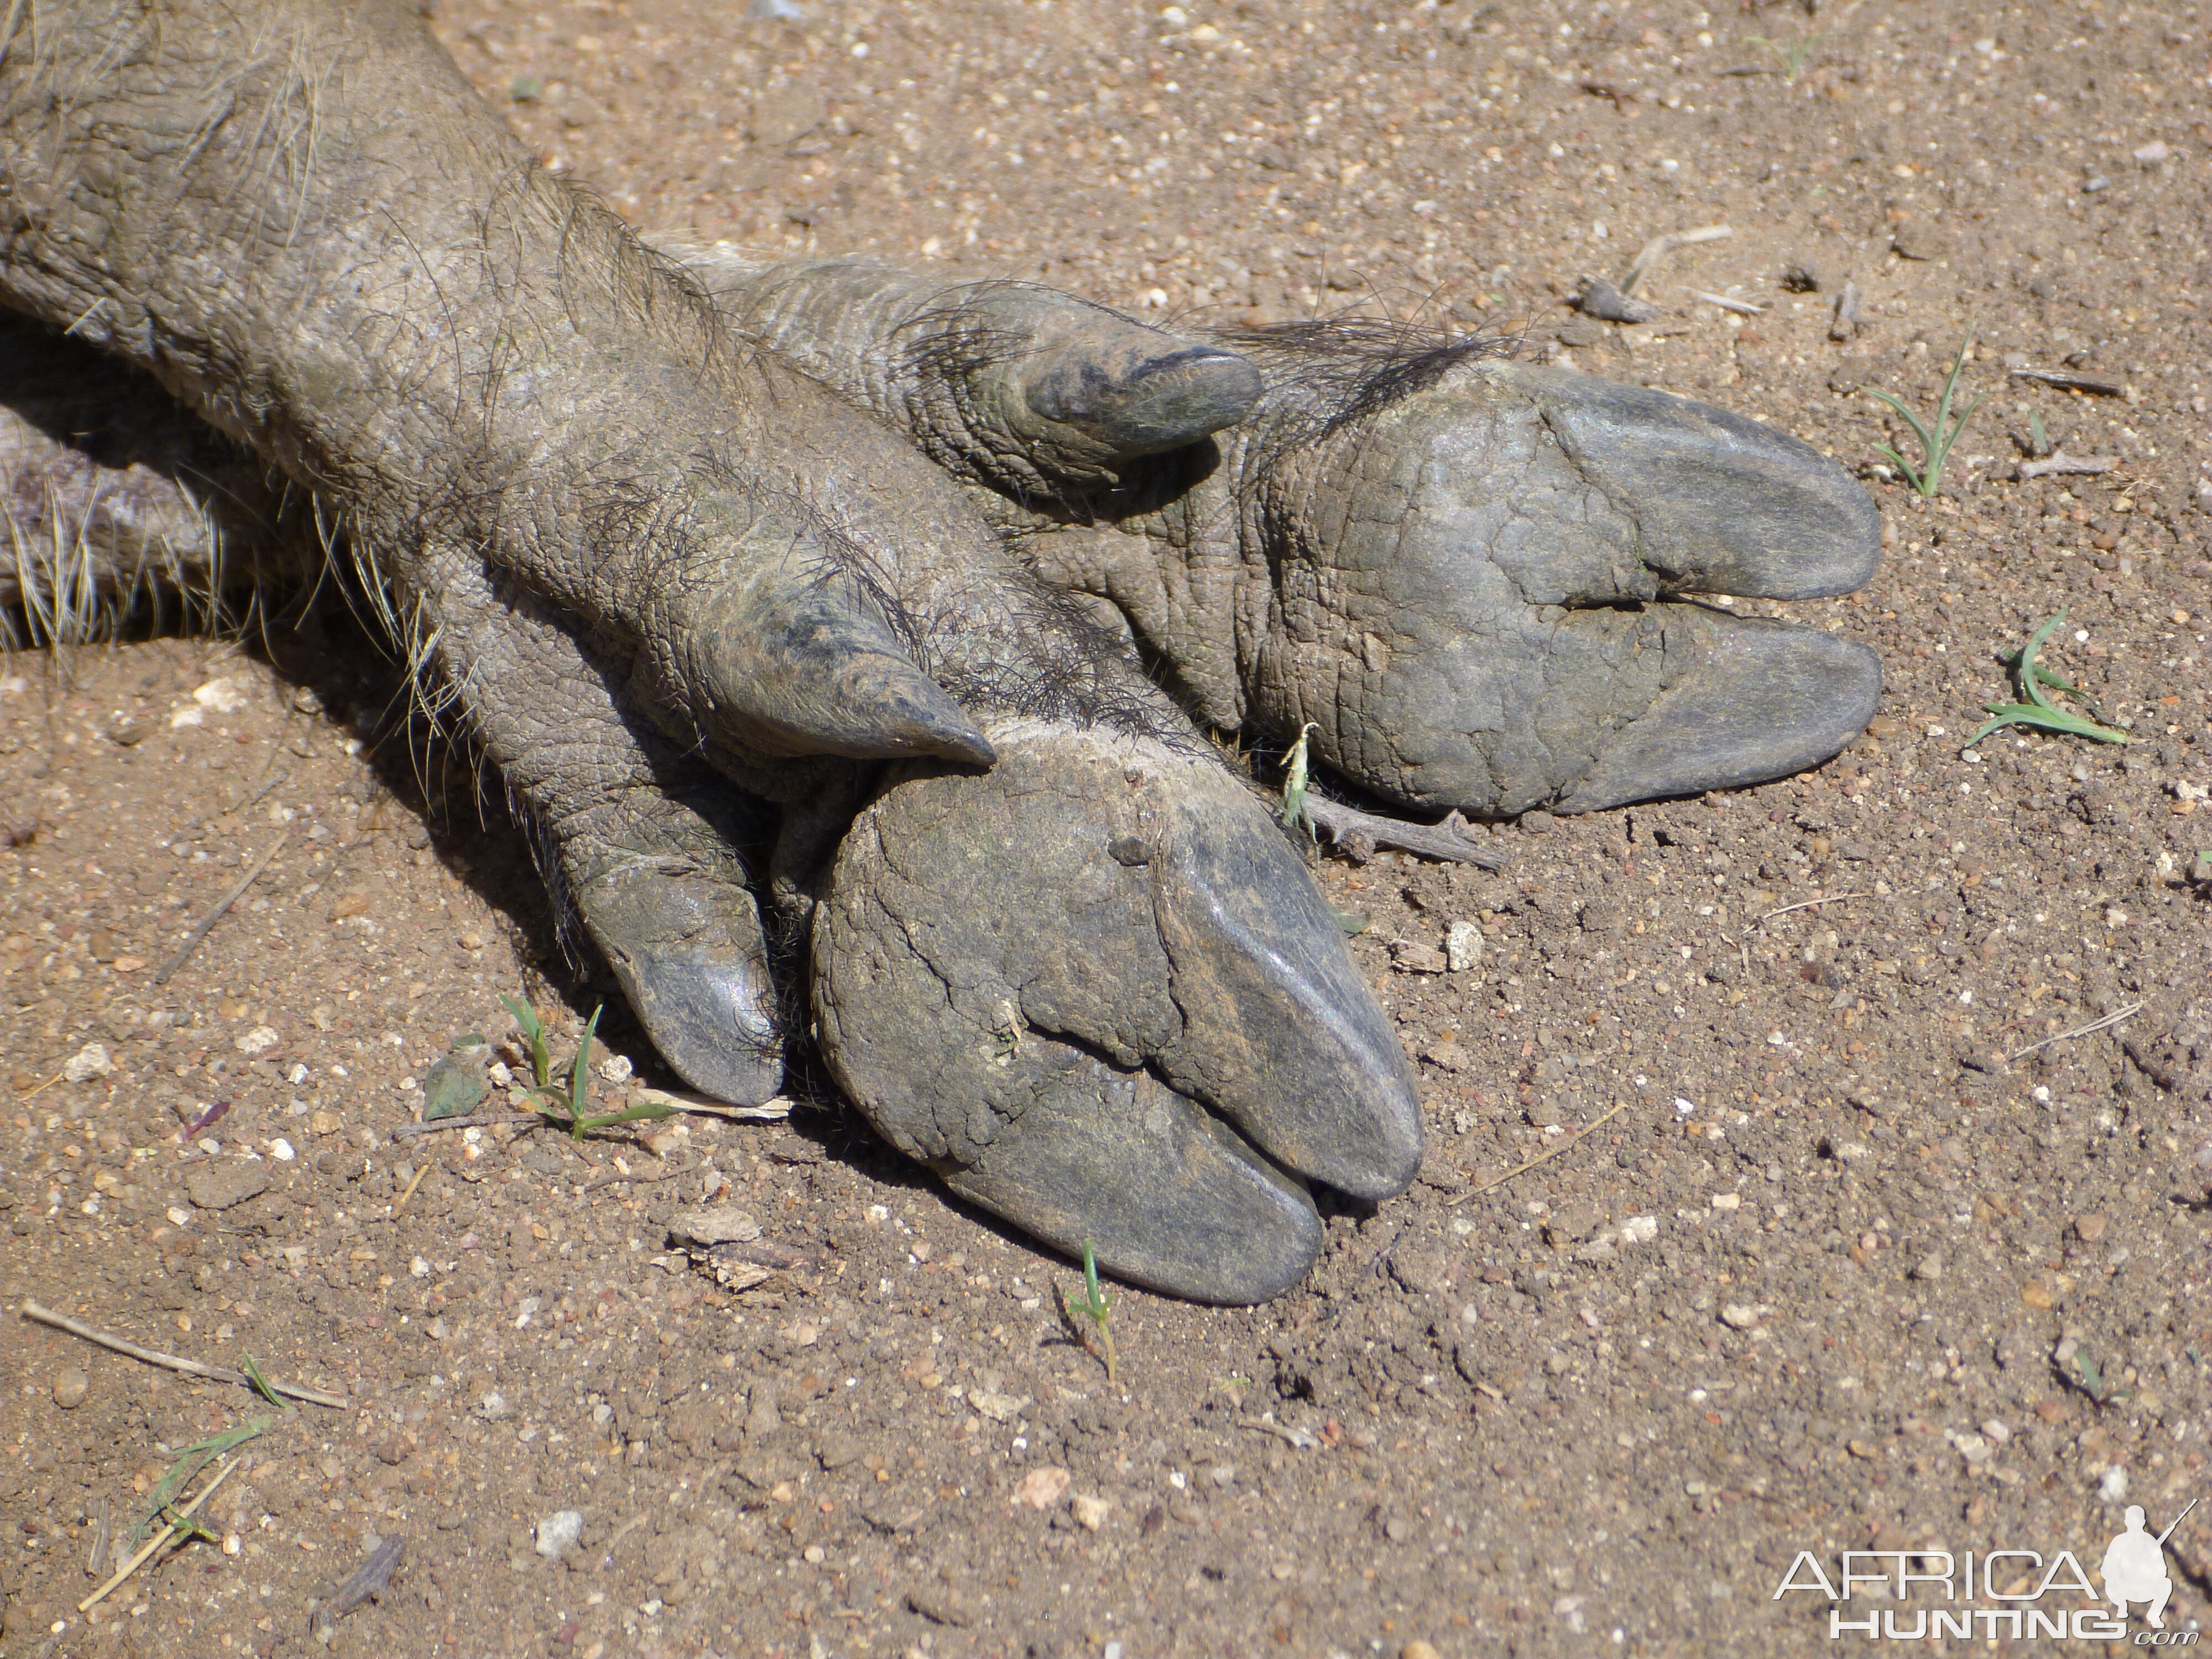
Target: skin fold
823, 601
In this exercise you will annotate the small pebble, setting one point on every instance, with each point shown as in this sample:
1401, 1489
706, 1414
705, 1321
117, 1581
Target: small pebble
558, 1532
70, 1389
1419, 1650
88, 1062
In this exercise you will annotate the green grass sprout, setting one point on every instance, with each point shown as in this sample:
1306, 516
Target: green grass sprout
190, 1460
571, 1110
579, 1070
2038, 441
261, 1384
1098, 1307
1793, 55
533, 1030
1934, 446
2038, 709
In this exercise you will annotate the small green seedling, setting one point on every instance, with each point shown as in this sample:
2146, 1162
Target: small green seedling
2038, 441
1296, 817
533, 1032
190, 1460
2090, 1378
2039, 710
568, 1110
1098, 1307
1934, 446
261, 1384
1793, 55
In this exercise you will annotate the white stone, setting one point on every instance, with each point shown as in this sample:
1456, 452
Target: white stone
558, 1532
88, 1062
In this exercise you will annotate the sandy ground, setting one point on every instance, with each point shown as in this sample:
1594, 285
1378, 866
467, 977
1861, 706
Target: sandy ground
1832, 1257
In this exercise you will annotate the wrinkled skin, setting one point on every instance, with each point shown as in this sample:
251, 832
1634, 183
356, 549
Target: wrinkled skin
822, 592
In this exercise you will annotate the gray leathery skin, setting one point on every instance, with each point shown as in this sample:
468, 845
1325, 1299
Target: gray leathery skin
640, 842
1476, 585
293, 213
1025, 389
297, 215
740, 612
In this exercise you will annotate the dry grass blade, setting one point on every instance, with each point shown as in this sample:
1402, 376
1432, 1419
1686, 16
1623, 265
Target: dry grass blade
1808, 904
146, 1550
48, 1317
2090, 1029
190, 1460
1575, 1140
222, 908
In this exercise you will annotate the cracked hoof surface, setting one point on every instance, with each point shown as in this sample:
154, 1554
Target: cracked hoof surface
1768, 699
1096, 989
1481, 603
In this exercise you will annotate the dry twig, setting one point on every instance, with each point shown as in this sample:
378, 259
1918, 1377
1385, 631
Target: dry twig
2059, 462
222, 908
1448, 841
184, 1512
1542, 1158
371, 1579
2090, 1029
475, 1120
1808, 904
411, 1186
2065, 382
607, 1178
1659, 246
47, 1316
1742, 308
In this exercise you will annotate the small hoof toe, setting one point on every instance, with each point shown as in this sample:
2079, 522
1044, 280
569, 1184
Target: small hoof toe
1722, 504
1149, 399
1101, 956
689, 953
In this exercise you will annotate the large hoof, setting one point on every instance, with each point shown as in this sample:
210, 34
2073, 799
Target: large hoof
1479, 596
1096, 989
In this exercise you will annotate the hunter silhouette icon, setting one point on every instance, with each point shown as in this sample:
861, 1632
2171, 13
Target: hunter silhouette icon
2135, 1567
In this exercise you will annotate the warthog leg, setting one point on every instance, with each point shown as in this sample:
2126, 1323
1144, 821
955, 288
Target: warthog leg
569, 606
